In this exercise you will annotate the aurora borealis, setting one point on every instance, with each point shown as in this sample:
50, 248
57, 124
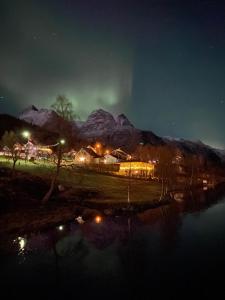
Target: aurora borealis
161, 63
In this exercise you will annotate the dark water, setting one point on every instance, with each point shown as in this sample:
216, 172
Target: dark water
176, 251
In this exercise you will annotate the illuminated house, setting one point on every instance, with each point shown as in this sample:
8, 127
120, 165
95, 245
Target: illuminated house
87, 155
43, 150
120, 154
30, 150
110, 159
136, 169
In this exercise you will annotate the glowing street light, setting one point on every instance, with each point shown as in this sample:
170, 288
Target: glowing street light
98, 219
26, 134
62, 142
98, 145
21, 243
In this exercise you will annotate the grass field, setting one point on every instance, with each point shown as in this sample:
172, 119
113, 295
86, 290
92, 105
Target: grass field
114, 189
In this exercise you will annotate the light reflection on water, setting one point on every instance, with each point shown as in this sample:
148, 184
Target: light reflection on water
154, 247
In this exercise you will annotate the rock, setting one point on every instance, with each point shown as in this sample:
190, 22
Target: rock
80, 220
178, 197
61, 188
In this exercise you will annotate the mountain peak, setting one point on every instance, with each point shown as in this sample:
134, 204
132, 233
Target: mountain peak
30, 108
98, 122
100, 113
122, 120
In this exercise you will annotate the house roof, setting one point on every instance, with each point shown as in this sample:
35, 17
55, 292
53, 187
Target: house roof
91, 152
119, 153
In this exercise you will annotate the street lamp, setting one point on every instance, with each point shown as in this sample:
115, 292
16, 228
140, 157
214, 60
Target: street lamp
62, 142
98, 219
26, 134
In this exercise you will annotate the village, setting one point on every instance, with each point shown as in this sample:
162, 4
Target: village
96, 157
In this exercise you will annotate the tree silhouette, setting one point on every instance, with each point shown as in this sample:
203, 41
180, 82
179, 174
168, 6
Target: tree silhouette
11, 140
64, 108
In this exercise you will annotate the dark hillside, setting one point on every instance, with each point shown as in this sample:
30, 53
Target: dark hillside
8, 123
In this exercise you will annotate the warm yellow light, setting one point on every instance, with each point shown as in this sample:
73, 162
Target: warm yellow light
22, 243
82, 159
98, 145
129, 156
136, 166
107, 152
62, 142
98, 219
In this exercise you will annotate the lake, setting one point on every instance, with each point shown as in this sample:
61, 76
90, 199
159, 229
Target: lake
176, 250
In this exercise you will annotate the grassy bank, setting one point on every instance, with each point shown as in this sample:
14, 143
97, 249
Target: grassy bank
113, 189
20, 197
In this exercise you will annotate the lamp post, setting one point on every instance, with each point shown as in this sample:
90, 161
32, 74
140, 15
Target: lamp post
26, 135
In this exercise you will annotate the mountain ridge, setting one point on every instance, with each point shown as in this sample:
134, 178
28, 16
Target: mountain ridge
118, 131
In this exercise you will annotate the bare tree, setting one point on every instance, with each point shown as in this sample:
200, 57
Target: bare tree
64, 108
56, 173
11, 140
165, 168
193, 166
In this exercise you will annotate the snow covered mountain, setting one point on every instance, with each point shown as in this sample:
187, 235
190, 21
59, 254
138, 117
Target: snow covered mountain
45, 118
116, 131
100, 125
39, 117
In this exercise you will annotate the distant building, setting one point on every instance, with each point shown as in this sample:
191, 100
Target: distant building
120, 154
30, 150
86, 156
136, 169
70, 155
110, 159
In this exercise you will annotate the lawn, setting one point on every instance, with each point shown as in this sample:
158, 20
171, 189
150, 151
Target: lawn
114, 189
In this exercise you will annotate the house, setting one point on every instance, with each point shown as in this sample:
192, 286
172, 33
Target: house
87, 156
70, 155
120, 154
137, 169
110, 159
44, 151
30, 150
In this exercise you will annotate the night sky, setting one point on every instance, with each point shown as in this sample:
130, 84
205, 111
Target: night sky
162, 63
